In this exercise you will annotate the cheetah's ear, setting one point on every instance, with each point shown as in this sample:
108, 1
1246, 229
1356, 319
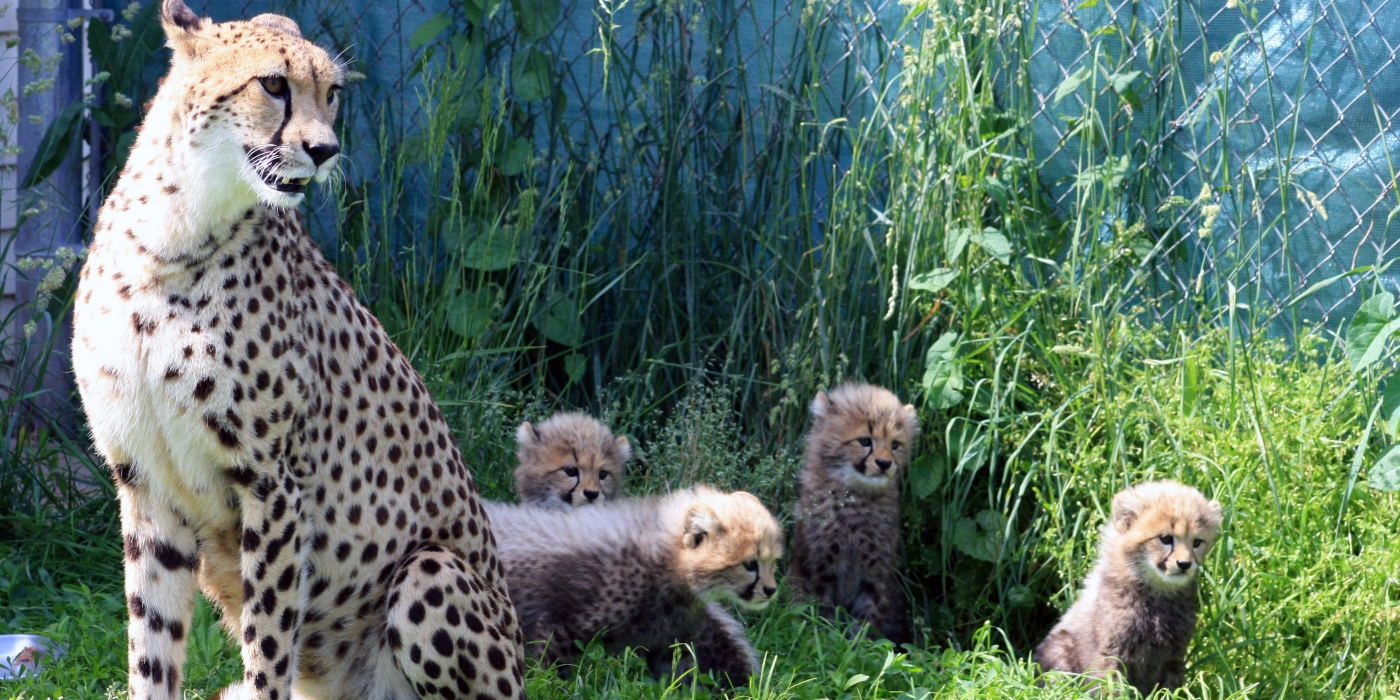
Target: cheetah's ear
624, 449
527, 435
1126, 508
821, 406
278, 22
1215, 513
181, 26
700, 522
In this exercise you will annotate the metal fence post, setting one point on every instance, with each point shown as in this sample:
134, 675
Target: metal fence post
51, 211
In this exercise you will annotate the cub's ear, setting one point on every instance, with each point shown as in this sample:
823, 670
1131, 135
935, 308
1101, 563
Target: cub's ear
278, 22
527, 435
624, 449
700, 523
1126, 508
182, 27
1215, 513
821, 406
910, 414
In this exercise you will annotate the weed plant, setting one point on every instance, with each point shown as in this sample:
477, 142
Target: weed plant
694, 275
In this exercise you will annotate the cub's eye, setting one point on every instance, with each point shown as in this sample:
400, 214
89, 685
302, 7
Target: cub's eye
603, 475
275, 85
571, 471
1166, 540
864, 441
1197, 543
751, 565
332, 94
896, 444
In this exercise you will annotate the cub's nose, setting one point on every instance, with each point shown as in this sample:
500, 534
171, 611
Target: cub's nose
883, 464
320, 152
770, 590
590, 495
1184, 565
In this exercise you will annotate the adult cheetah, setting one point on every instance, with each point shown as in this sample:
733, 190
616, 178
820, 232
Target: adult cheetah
268, 440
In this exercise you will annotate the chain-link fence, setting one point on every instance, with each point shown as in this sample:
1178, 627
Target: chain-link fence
1258, 139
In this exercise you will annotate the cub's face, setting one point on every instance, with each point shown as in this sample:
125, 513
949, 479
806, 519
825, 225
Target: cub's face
863, 435
264, 100
1166, 530
730, 550
569, 461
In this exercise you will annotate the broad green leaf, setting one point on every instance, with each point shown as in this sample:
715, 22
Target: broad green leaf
980, 537
853, 680
562, 322
54, 147
1070, 84
934, 281
1372, 325
1121, 82
967, 448
1390, 404
1385, 476
926, 474
531, 75
514, 157
534, 18
428, 31
469, 314
954, 244
483, 245
998, 190
943, 381
996, 245
1190, 381
574, 365
480, 11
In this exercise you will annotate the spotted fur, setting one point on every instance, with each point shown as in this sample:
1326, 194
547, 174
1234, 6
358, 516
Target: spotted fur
269, 443
645, 572
1137, 611
846, 539
568, 461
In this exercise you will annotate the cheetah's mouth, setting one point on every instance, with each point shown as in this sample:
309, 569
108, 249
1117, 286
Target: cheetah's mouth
289, 185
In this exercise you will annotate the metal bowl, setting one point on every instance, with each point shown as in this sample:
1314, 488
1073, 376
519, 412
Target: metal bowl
25, 653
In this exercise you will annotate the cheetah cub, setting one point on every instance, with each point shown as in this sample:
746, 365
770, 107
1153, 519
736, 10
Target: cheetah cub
644, 572
846, 539
1138, 607
569, 460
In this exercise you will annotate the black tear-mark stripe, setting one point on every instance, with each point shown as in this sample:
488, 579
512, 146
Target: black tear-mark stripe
286, 108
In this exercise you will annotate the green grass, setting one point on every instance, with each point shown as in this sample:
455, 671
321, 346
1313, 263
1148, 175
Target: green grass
734, 249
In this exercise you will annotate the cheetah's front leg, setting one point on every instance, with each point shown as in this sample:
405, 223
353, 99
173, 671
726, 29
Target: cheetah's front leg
160, 550
271, 564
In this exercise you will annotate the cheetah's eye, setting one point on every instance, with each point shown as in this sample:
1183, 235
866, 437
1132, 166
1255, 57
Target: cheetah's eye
1197, 543
751, 565
863, 441
1166, 540
275, 85
571, 471
333, 94
896, 445
603, 475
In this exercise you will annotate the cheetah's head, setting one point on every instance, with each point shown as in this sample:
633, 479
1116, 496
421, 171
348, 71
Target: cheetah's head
569, 460
730, 545
862, 435
265, 97
1163, 530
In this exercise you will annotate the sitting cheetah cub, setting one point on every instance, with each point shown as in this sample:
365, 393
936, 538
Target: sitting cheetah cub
270, 444
644, 572
569, 460
846, 539
1138, 607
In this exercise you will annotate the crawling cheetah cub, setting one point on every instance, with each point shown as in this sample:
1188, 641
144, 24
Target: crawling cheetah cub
1138, 607
846, 540
569, 460
644, 572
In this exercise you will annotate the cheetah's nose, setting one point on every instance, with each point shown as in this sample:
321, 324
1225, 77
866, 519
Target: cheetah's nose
320, 152
770, 590
590, 495
1184, 565
883, 464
